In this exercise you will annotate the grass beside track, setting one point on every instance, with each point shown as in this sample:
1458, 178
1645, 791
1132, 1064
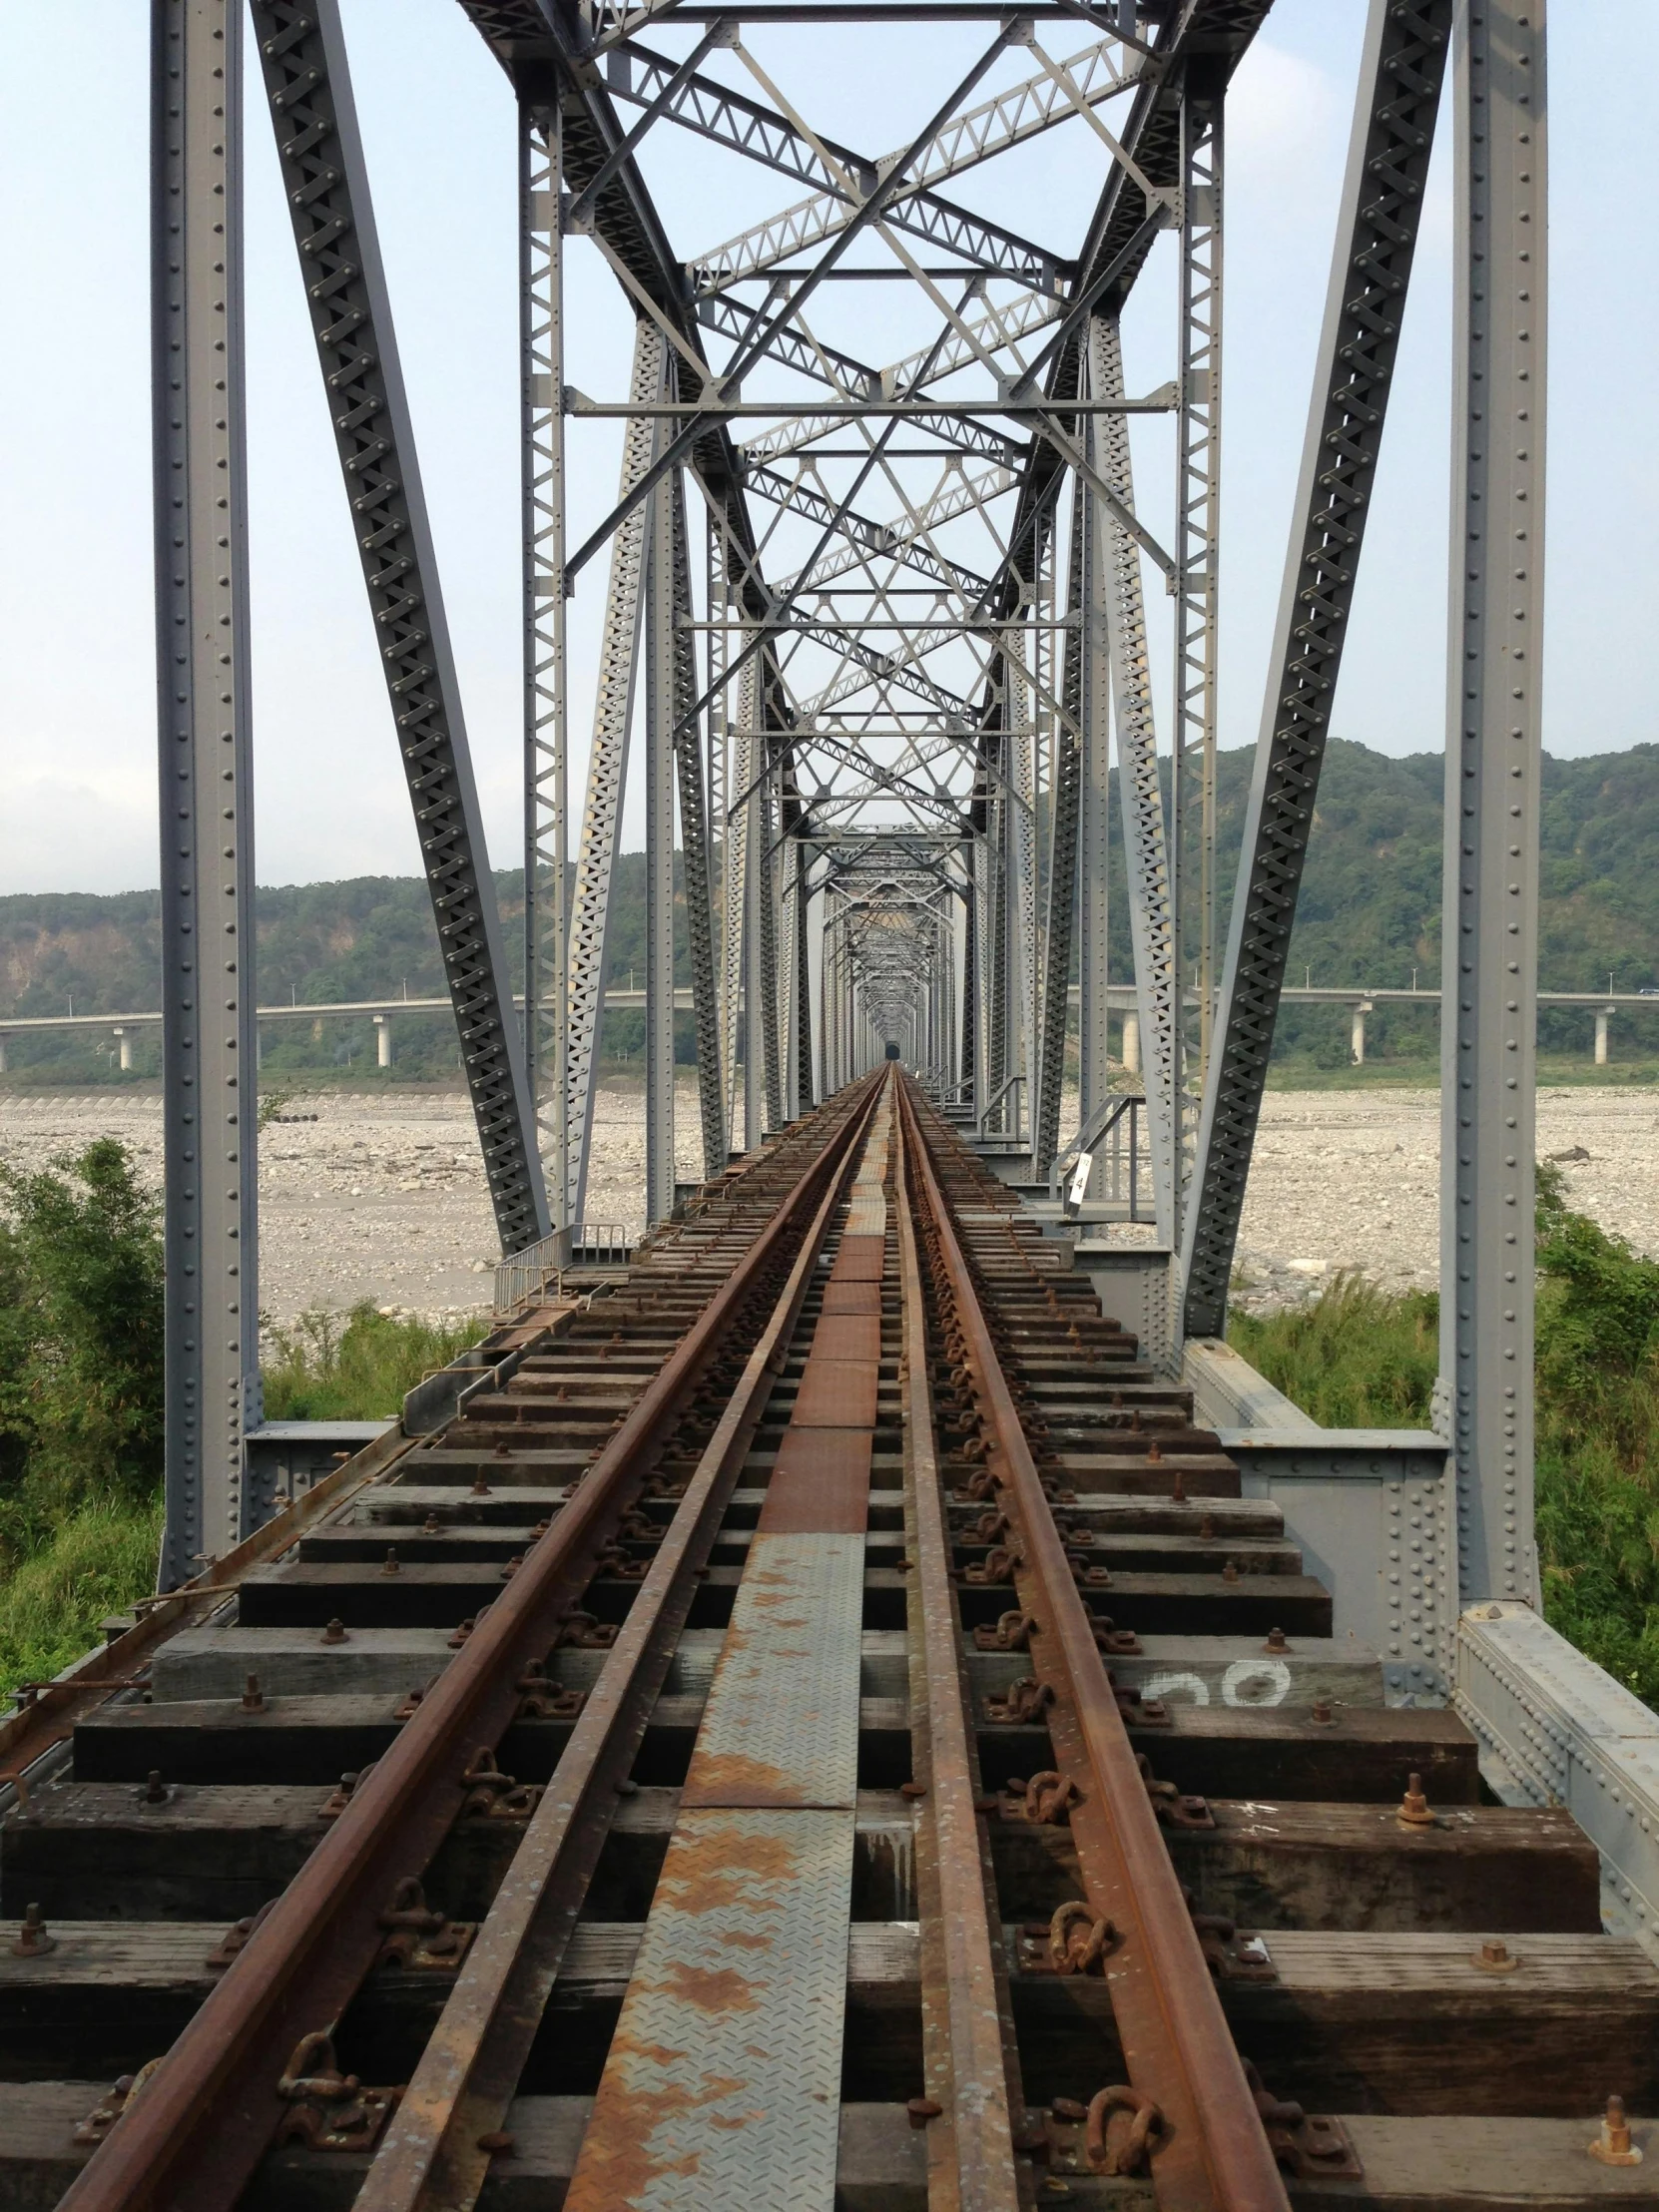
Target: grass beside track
81, 1397
1359, 1356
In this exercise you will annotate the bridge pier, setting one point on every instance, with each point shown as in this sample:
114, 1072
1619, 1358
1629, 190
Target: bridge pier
382, 1040
1132, 1044
1604, 1014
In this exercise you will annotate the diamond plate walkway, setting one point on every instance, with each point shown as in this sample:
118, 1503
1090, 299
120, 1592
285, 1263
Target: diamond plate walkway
723, 2083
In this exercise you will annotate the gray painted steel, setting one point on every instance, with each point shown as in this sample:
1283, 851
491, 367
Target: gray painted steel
205, 787
1387, 163
1493, 766
307, 85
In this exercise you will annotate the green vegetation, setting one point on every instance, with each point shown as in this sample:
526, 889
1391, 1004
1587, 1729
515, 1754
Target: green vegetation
357, 1366
1358, 1357
1355, 1356
81, 1388
80, 1405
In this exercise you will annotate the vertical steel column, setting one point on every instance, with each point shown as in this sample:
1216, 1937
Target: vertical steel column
1197, 548
734, 883
613, 714
771, 1027
1065, 801
546, 748
1094, 823
803, 1100
985, 947
969, 1062
204, 774
661, 692
1140, 801
696, 857
1023, 965
1495, 675
750, 949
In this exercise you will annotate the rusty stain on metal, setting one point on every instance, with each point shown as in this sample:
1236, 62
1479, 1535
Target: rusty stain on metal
1174, 2035
212, 2104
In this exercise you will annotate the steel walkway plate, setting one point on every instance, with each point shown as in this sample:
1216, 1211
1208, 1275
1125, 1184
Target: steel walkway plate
819, 1485
722, 2091
860, 1259
848, 1337
836, 1394
851, 1298
781, 1726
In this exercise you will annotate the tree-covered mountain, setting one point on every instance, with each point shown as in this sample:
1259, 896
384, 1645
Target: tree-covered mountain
1369, 914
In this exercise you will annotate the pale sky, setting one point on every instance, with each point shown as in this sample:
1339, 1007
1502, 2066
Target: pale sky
76, 682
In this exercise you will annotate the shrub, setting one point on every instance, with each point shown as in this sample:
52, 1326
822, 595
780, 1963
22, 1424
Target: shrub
356, 1366
1357, 1356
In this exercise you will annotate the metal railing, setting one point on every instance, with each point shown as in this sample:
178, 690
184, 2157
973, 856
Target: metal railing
541, 1267
1113, 1143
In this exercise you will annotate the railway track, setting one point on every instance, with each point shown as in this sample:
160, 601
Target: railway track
817, 1725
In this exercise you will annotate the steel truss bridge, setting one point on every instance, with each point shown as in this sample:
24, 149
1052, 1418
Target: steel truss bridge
869, 628
747, 1799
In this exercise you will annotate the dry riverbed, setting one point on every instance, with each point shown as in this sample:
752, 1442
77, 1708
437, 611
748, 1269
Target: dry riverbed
383, 1197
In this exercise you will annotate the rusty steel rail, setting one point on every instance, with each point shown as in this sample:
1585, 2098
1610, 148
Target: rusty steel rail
970, 2072
192, 2140
435, 2154
1187, 2102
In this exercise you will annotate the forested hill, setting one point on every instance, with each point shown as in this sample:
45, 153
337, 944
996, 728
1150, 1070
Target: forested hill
1369, 910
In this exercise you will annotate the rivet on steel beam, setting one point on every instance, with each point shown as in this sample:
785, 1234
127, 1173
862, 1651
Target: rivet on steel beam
336, 1633
252, 1697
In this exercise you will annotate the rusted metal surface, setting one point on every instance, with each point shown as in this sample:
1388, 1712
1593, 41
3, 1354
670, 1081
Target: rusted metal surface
836, 1394
1207, 2148
971, 2077
820, 1482
461, 2089
214, 2104
721, 2082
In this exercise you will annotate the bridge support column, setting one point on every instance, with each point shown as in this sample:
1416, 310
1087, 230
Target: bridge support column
1356, 1036
382, 1040
124, 1051
206, 780
1492, 793
1603, 1016
1131, 1044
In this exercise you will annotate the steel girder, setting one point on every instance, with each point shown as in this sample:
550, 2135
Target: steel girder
1198, 549
546, 726
698, 860
1393, 131
1140, 805
1493, 759
818, 761
1065, 804
205, 776
307, 85
613, 717
663, 640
